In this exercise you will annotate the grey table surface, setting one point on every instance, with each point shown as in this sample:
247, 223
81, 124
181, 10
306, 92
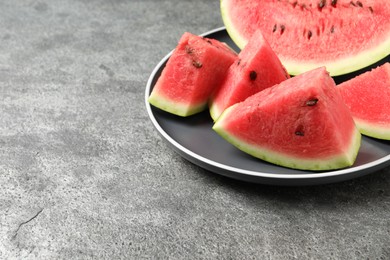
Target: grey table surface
85, 175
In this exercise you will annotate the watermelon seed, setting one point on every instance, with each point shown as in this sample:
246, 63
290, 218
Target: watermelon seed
312, 102
282, 28
359, 3
309, 34
209, 41
299, 132
238, 62
322, 4
352, 3
333, 3
371, 10
197, 64
294, 4
189, 50
253, 75
275, 27
332, 29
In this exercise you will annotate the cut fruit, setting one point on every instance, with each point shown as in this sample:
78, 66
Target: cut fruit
195, 68
301, 123
342, 35
368, 98
256, 68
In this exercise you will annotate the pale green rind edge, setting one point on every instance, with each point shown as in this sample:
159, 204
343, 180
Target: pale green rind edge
373, 130
213, 109
345, 65
321, 164
174, 107
339, 67
233, 33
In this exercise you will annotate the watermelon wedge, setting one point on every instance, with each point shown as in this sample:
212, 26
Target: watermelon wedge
195, 68
301, 123
256, 68
368, 98
342, 35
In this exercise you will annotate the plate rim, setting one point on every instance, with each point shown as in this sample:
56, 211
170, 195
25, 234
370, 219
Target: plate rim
231, 169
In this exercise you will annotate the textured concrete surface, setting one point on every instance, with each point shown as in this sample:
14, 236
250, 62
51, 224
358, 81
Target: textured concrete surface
84, 174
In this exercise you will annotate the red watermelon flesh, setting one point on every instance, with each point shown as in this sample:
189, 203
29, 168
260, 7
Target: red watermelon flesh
300, 123
195, 68
256, 68
368, 98
343, 35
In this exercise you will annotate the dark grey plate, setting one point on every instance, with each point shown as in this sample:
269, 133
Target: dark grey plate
194, 139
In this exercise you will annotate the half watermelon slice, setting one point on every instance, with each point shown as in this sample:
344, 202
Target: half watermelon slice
368, 98
196, 67
342, 35
256, 68
301, 123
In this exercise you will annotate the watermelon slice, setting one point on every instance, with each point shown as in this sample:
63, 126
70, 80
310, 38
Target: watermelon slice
256, 68
301, 123
195, 68
368, 98
342, 35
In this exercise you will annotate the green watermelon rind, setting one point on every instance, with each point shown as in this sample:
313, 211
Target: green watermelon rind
214, 111
233, 33
372, 130
344, 160
343, 66
175, 108
339, 67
